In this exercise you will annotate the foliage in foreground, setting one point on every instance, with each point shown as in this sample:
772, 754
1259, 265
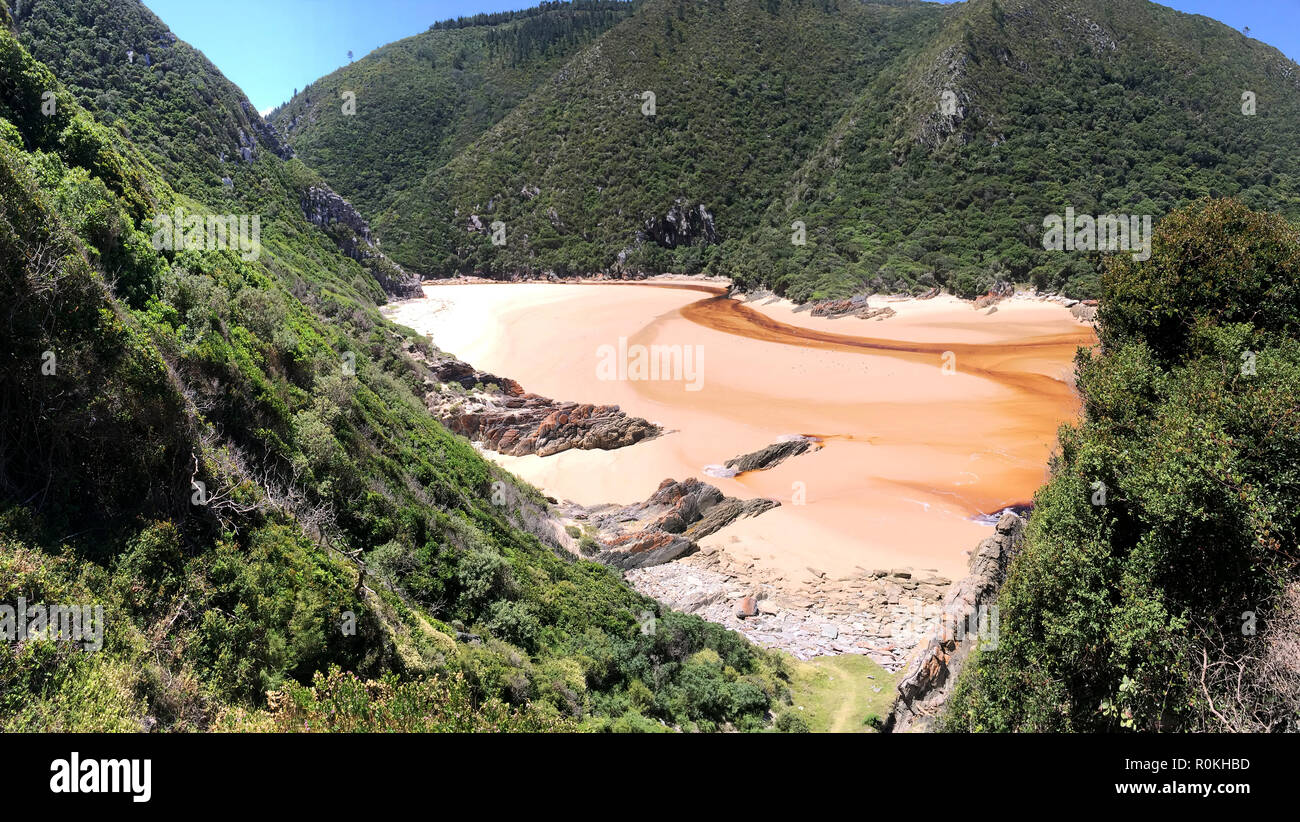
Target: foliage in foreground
1170, 602
341, 702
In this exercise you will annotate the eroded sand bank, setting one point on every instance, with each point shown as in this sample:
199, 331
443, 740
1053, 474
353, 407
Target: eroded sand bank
913, 451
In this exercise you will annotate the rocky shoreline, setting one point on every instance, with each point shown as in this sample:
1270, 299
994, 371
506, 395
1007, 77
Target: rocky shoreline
497, 413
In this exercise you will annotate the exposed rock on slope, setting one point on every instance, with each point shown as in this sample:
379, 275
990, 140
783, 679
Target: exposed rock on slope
349, 230
929, 678
665, 526
682, 225
261, 129
496, 412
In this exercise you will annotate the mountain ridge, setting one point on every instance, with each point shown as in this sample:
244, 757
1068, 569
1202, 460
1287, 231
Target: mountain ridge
842, 130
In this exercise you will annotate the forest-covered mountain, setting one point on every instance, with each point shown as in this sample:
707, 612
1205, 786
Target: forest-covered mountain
420, 101
829, 113
227, 449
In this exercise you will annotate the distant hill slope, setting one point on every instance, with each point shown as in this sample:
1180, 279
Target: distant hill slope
420, 101
225, 450
580, 174
1105, 106
830, 113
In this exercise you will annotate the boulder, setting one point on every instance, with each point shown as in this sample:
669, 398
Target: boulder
667, 525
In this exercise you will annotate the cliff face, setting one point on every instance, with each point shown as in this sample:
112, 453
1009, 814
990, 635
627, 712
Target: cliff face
350, 231
682, 225
929, 679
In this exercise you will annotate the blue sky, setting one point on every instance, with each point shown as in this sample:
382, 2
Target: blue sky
271, 47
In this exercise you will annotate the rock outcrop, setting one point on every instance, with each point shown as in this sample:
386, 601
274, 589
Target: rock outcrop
771, 456
532, 424
965, 619
263, 133
855, 306
1000, 291
497, 413
664, 527
1084, 311
682, 225
351, 233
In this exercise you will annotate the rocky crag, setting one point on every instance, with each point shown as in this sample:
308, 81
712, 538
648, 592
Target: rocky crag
351, 233
497, 413
684, 224
771, 456
663, 528
967, 617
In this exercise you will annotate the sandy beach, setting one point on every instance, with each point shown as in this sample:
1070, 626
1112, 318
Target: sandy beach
928, 419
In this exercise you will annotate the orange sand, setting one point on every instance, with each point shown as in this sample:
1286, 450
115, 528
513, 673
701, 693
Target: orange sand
911, 453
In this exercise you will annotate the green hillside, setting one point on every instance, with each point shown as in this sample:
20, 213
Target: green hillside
1105, 106
742, 92
226, 452
825, 112
422, 100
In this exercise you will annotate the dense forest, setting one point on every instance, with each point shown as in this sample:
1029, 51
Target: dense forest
229, 456
817, 148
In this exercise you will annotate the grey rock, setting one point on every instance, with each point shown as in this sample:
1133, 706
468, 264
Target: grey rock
929, 678
772, 455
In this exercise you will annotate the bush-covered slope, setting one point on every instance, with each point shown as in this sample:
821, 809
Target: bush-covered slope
1157, 589
583, 177
829, 113
228, 455
173, 106
1104, 106
420, 101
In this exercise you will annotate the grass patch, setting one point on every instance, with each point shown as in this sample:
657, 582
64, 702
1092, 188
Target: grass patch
838, 693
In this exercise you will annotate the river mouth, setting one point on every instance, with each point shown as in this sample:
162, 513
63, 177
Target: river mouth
929, 421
